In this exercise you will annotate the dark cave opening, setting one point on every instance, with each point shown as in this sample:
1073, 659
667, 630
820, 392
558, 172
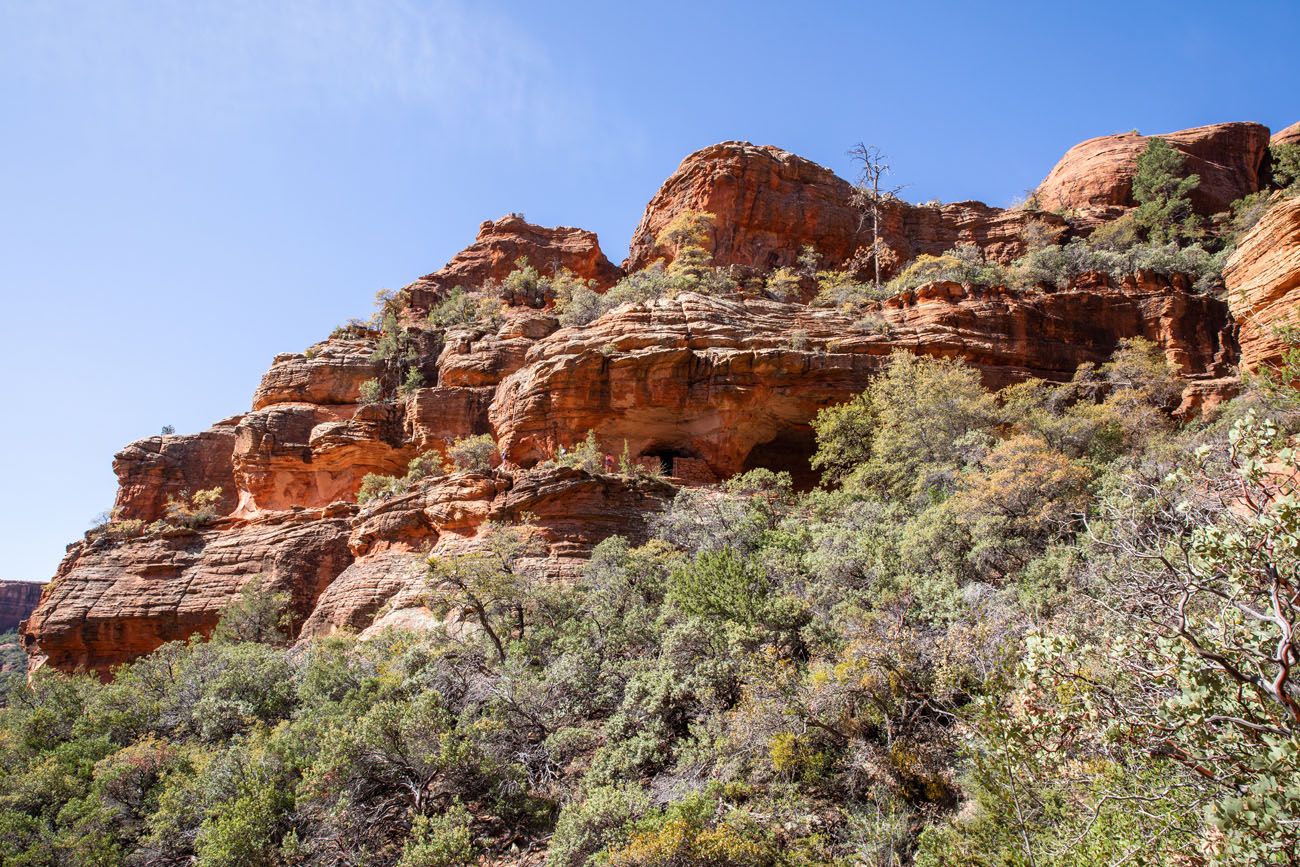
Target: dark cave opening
789, 451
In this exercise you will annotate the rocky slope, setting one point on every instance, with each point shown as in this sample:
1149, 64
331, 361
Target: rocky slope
699, 386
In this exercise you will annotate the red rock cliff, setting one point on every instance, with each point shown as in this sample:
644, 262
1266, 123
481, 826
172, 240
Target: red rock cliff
17, 600
703, 387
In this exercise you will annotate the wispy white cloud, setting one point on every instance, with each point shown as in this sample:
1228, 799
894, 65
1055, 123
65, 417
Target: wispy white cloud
459, 64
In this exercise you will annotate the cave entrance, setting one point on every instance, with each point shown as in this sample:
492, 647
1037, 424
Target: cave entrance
790, 451
678, 463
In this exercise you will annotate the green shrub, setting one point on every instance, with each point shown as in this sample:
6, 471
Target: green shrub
458, 308
586, 455
440, 841
601, 820
375, 486
371, 392
476, 454
414, 382
1286, 166
964, 264
783, 284
842, 291
1162, 190
193, 510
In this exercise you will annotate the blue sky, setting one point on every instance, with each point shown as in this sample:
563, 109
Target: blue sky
190, 188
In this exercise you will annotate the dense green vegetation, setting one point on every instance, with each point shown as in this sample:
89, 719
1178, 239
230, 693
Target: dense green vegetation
1044, 626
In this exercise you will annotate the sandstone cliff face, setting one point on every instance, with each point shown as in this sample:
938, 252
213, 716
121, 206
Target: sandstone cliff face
152, 470
500, 242
1095, 177
1263, 281
769, 203
735, 383
698, 387
110, 602
17, 600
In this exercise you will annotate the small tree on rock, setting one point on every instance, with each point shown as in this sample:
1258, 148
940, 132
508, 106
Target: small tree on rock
868, 194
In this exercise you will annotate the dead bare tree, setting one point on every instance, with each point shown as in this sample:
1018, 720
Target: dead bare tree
868, 194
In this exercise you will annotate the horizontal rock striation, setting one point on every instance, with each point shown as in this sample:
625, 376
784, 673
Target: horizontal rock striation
716, 379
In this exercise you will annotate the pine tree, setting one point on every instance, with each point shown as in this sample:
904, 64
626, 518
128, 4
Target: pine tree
1163, 194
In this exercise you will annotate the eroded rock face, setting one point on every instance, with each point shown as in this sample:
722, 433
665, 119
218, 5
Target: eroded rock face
1263, 281
697, 387
151, 470
768, 203
17, 600
393, 541
113, 601
501, 242
329, 373
1095, 177
717, 380
307, 455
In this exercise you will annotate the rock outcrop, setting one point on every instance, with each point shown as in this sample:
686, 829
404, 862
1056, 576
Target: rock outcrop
769, 203
695, 388
17, 600
1095, 177
112, 601
151, 471
501, 242
1290, 135
1263, 281
735, 383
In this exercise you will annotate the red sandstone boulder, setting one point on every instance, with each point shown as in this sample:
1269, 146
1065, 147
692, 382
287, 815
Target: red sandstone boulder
768, 203
331, 372
1263, 281
307, 456
1095, 177
393, 540
500, 243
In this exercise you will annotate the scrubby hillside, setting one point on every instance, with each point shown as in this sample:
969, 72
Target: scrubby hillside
730, 555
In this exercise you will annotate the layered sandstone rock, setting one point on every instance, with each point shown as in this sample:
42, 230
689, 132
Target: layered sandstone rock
329, 373
572, 511
17, 600
112, 601
769, 203
500, 243
307, 455
1095, 177
735, 383
153, 470
1263, 281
